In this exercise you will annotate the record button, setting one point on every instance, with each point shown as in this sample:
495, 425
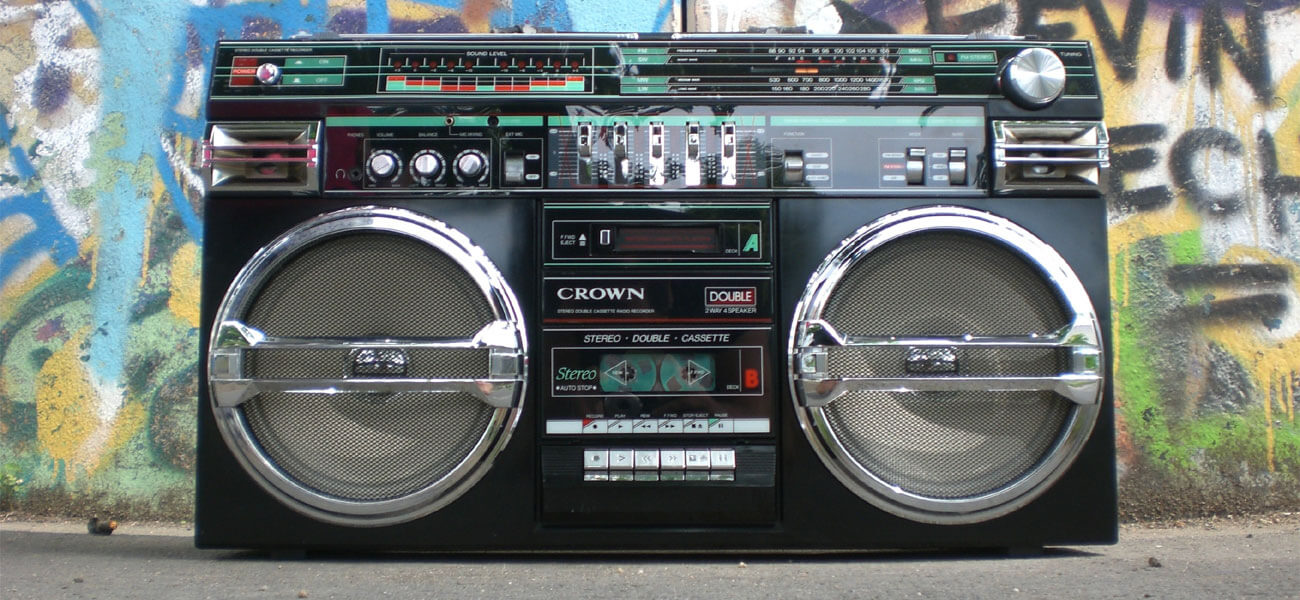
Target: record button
595, 459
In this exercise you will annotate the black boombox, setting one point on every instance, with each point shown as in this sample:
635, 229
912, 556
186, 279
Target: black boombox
626, 292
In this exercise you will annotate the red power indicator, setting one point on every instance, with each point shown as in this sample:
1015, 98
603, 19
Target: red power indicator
751, 378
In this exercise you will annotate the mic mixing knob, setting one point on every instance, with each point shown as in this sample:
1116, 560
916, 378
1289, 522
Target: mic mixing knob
382, 165
1033, 78
471, 166
427, 165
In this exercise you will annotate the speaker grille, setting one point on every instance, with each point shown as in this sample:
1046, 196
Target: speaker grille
944, 284
946, 444
367, 366
370, 285
367, 447
946, 364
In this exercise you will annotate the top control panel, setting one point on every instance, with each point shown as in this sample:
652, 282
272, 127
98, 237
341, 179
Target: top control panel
572, 113
1033, 74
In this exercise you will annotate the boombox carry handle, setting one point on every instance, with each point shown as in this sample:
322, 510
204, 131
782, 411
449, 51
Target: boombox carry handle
935, 358
231, 388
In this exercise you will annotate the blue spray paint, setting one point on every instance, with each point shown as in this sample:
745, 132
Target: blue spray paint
49, 233
133, 93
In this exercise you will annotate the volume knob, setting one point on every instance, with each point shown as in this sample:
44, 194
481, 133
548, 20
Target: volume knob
382, 165
1033, 78
471, 166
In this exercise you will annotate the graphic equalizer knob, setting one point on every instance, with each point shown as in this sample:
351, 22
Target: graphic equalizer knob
1033, 78
471, 166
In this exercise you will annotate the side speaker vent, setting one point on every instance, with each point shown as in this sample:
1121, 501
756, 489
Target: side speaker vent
1049, 155
258, 156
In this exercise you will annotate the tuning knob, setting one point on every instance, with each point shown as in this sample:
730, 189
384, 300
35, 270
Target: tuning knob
427, 166
471, 166
1033, 78
382, 165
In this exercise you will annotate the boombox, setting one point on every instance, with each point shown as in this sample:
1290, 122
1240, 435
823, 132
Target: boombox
587, 292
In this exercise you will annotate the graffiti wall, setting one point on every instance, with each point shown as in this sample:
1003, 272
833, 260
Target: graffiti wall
100, 110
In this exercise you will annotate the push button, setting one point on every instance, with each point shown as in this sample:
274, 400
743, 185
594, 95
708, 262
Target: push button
595, 459
647, 459
723, 458
621, 459
672, 459
697, 459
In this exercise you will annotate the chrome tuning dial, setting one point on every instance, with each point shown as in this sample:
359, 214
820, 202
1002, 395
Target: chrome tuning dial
1033, 78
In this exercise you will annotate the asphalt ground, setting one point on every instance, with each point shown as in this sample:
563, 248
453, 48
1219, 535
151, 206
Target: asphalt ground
1242, 557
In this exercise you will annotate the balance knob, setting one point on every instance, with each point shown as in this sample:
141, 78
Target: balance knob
1033, 78
427, 165
471, 166
382, 165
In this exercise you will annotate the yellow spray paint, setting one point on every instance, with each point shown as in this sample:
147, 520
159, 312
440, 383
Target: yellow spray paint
412, 11
69, 426
184, 282
1273, 363
65, 404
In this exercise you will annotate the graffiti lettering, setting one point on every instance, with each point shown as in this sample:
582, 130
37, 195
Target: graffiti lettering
1252, 61
1122, 51
1188, 174
1277, 187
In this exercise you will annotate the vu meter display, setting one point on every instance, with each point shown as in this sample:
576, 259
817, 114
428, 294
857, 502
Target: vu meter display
487, 70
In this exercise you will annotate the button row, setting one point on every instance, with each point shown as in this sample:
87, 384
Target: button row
656, 426
654, 464
655, 459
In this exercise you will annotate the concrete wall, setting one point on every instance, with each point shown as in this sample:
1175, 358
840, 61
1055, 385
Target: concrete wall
100, 110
